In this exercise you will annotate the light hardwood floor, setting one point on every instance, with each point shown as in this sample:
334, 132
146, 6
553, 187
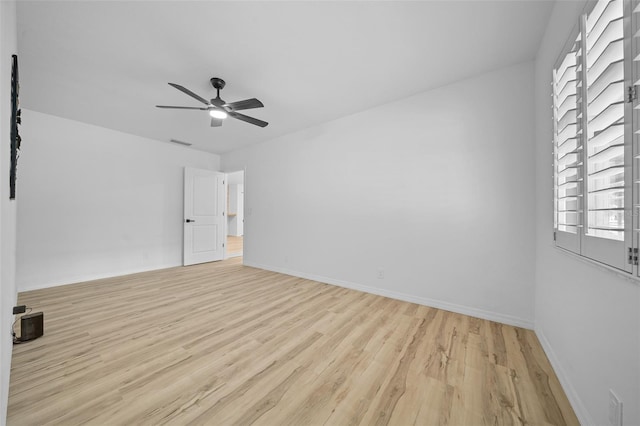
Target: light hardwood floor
222, 344
234, 245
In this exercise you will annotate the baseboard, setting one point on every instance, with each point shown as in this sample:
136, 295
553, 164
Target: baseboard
433, 303
93, 277
576, 403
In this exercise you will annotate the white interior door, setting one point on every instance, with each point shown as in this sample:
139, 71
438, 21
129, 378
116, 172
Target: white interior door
204, 216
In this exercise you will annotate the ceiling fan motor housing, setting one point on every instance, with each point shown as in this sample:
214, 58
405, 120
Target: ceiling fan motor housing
217, 83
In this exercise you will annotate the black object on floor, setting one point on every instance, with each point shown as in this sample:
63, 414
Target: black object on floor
31, 326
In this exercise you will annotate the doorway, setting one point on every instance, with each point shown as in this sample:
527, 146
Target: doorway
235, 214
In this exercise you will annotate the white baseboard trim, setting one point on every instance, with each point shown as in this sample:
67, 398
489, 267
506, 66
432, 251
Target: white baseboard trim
433, 303
576, 403
92, 277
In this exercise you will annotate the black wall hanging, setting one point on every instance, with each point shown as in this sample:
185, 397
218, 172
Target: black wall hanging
15, 120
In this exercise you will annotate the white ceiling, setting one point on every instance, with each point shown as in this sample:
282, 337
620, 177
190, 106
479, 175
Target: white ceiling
108, 63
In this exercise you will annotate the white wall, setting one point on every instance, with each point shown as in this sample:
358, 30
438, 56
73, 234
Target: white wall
587, 318
235, 178
452, 165
96, 202
8, 47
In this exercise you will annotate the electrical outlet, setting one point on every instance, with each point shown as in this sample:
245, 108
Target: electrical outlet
380, 274
615, 409
20, 309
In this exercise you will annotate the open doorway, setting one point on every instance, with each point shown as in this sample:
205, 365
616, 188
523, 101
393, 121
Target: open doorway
235, 213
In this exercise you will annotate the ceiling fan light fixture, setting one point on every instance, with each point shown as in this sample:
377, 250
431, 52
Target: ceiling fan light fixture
216, 113
218, 109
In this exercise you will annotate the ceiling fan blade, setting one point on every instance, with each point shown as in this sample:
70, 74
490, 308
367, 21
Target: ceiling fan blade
246, 104
216, 122
248, 119
180, 107
190, 93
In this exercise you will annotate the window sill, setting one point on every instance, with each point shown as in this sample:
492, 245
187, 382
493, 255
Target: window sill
628, 276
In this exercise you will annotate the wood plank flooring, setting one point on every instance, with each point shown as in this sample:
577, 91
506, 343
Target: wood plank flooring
234, 244
225, 344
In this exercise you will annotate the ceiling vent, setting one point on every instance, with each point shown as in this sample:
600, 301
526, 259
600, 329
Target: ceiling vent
180, 142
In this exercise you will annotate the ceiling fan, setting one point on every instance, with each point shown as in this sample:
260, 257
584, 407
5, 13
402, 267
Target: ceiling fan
218, 108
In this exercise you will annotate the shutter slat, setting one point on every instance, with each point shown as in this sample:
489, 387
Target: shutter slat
617, 147
610, 33
600, 16
612, 53
613, 73
612, 114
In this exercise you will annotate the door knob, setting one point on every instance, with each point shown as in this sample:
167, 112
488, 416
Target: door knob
189, 220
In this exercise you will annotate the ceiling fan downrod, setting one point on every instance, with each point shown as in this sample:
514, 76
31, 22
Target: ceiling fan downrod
218, 84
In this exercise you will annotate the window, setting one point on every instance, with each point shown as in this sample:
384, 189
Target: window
593, 119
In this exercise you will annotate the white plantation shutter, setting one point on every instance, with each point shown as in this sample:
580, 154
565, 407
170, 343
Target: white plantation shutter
593, 107
567, 151
606, 131
635, 149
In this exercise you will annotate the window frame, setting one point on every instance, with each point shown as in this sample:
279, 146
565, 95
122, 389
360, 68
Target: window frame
613, 253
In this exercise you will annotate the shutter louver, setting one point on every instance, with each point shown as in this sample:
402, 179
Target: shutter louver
605, 144
567, 150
